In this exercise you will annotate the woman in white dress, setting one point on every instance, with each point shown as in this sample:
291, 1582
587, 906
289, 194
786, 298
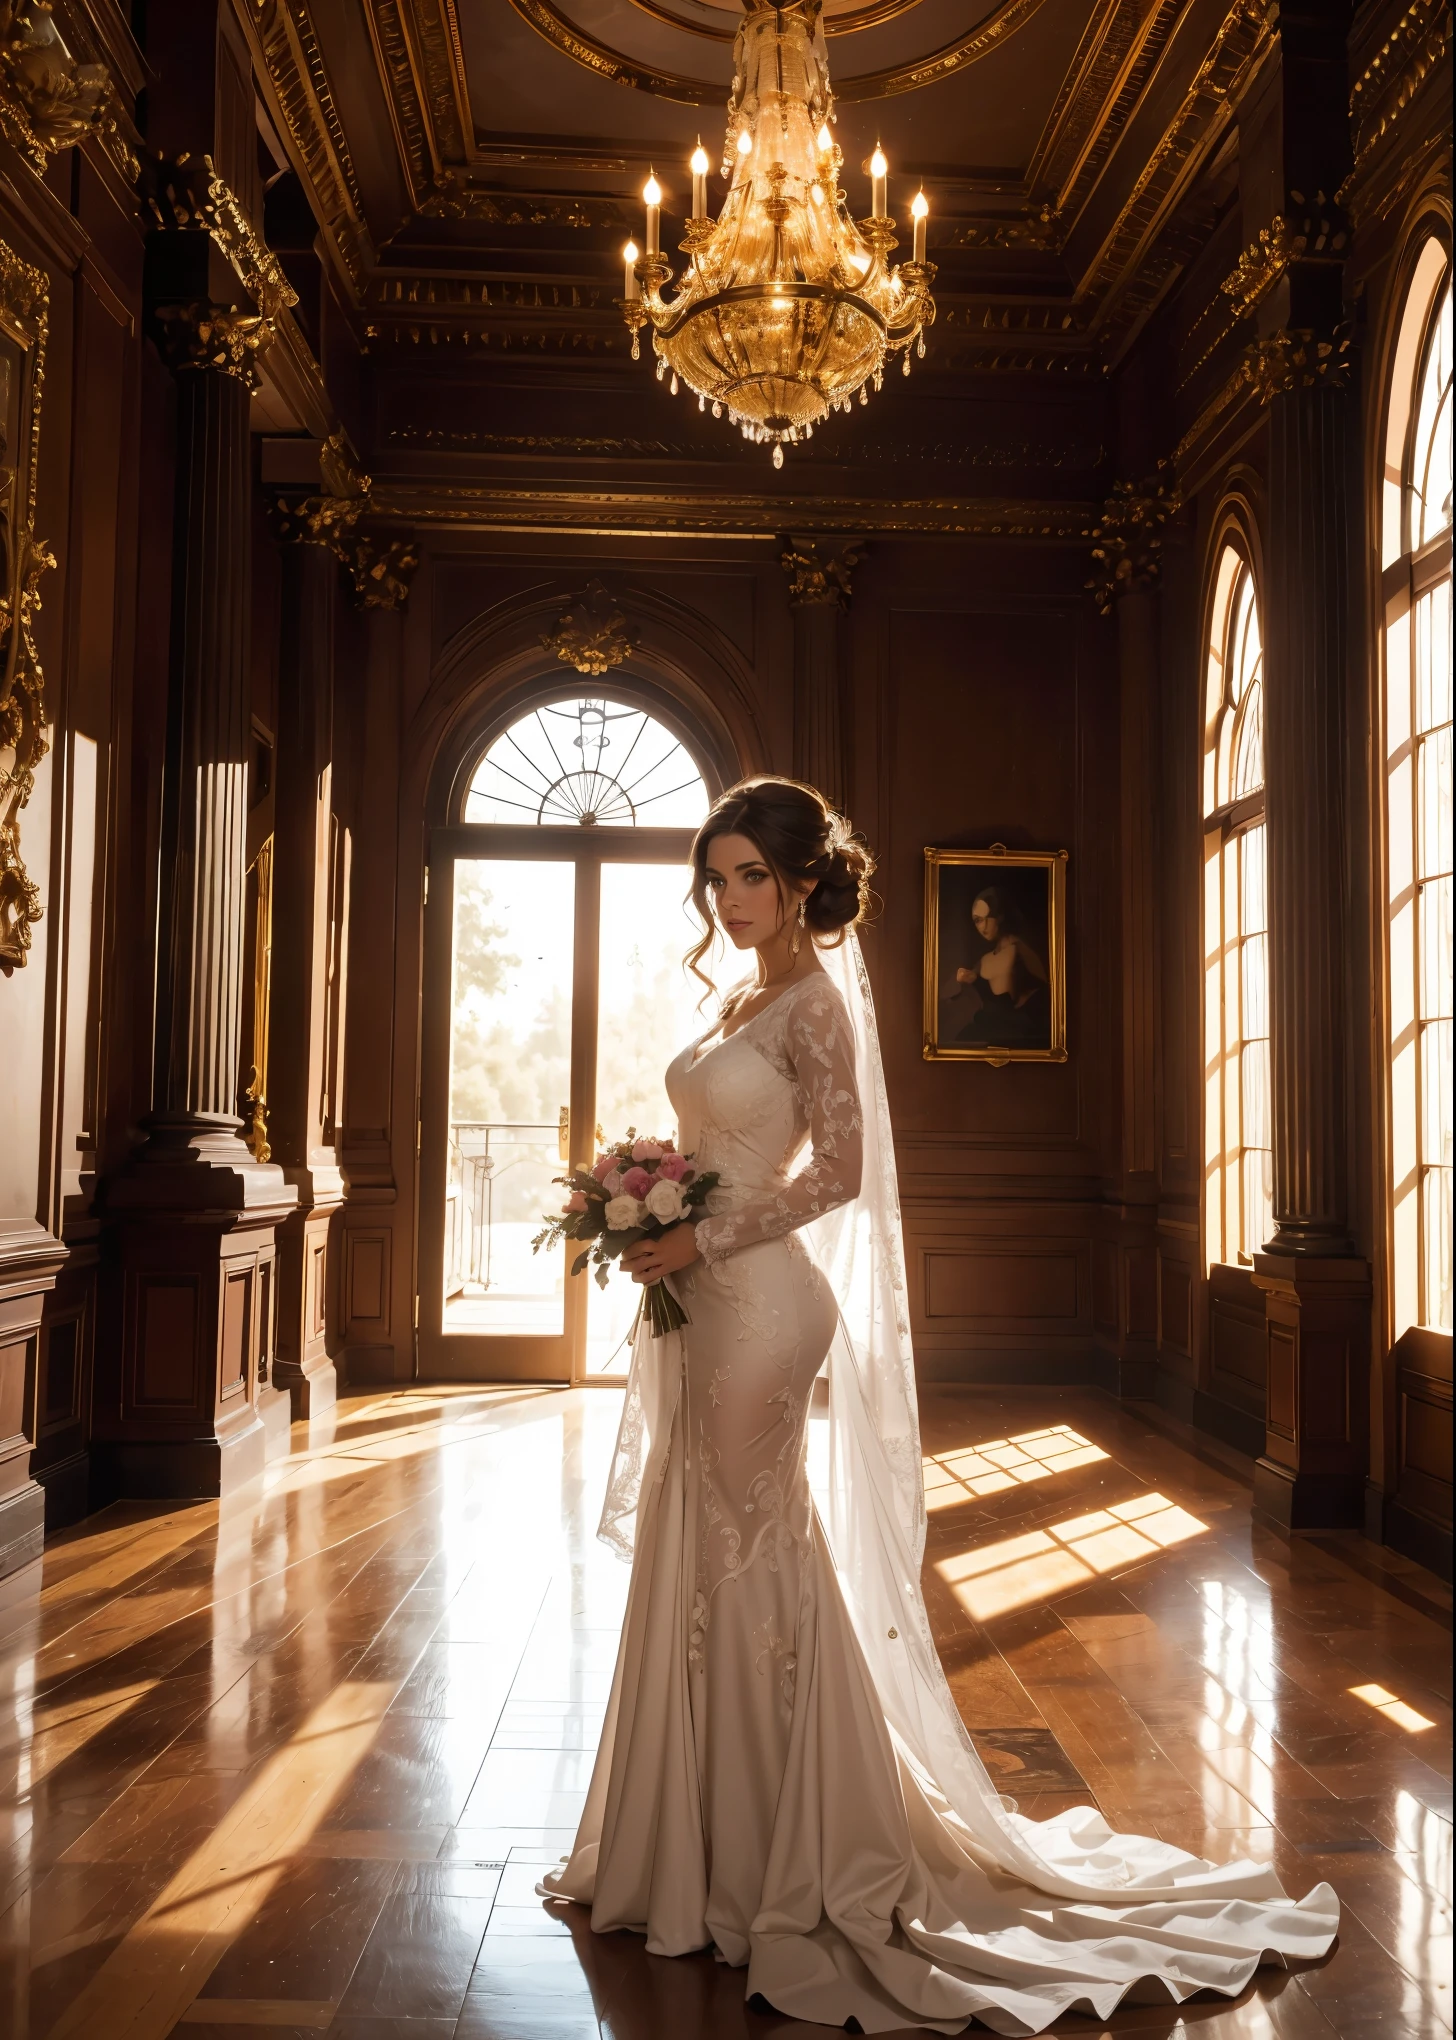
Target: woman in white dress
783, 1775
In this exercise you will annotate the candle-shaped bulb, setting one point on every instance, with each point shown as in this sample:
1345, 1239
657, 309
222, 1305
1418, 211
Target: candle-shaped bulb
919, 209
745, 141
700, 161
879, 176
825, 139
630, 286
652, 198
700, 180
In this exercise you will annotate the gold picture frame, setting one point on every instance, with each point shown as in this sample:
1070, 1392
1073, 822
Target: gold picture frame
1009, 906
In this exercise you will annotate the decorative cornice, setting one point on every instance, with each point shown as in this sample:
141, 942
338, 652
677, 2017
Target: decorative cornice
1128, 541
185, 194
49, 99
1419, 44
1322, 235
670, 513
223, 339
453, 196
23, 739
820, 579
290, 58
591, 634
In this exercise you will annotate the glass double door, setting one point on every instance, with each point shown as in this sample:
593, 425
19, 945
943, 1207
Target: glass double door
555, 996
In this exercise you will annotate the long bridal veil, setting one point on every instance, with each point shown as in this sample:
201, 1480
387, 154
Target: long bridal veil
874, 1520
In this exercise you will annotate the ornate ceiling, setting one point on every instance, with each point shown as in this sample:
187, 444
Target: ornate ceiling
476, 163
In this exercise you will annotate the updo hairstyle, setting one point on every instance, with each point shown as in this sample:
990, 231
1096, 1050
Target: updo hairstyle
803, 842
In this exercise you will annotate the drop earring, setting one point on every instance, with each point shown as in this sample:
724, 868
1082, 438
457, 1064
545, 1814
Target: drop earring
798, 935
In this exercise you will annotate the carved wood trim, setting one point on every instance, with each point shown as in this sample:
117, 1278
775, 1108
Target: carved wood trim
24, 308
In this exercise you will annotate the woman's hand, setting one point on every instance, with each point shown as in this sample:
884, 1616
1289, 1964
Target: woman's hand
650, 1260
967, 974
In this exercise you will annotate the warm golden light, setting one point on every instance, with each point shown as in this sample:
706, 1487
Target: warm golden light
1040, 1564
652, 192
955, 1477
1394, 1710
699, 161
631, 253
919, 206
790, 305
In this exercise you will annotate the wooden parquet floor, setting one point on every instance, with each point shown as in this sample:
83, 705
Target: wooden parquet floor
293, 1766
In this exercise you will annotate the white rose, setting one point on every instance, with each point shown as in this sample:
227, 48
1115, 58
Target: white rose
623, 1213
665, 1200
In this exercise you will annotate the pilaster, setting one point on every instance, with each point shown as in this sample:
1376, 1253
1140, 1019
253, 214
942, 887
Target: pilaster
820, 584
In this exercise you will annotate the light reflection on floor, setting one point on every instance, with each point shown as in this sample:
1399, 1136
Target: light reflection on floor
992, 1579
955, 1477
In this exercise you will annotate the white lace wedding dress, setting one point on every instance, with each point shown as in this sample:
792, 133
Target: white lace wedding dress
782, 1774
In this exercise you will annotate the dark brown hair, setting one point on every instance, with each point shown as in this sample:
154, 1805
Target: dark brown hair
803, 842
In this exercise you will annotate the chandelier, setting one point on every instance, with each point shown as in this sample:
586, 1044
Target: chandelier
787, 306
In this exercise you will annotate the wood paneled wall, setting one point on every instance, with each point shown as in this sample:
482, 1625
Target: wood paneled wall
1054, 1213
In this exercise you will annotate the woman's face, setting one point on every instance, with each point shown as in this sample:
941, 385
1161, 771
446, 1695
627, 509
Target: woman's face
743, 892
987, 926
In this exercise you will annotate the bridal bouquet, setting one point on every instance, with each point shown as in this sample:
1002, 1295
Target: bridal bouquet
636, 1190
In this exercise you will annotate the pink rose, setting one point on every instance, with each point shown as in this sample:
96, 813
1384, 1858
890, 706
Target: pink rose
576, 1201
612, 1181
647, 1151
603, 1167
674, 1167
636, 1183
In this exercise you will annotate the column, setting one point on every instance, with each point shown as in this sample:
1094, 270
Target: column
819, 592
1316, 1289
192, 1265
1294, 148
310, 865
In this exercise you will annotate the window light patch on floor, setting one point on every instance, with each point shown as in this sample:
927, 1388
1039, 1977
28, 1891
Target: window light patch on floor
1039, 1564
1393, 1709
978, 1470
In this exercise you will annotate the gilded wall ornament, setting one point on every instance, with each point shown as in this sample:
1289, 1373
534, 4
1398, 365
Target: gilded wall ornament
222, 338
327, 519
1321, 236
820, 579
50, 101
23, 559
381, 570
1296, 358
591, 635
1128, 540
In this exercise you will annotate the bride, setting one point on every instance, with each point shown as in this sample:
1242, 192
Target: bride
783, 1774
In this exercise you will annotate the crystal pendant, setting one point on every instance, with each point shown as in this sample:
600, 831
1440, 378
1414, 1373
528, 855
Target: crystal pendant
778, 456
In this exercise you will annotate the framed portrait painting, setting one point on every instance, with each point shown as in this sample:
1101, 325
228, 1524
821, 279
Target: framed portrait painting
995, 955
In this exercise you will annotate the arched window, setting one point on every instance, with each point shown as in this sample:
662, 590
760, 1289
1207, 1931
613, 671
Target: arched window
1237, 1145
588, 762
1416, 586
556, 996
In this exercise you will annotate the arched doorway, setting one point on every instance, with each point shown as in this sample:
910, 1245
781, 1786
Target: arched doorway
554, 996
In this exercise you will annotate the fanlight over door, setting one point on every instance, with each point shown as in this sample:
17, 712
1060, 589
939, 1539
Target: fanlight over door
554, 998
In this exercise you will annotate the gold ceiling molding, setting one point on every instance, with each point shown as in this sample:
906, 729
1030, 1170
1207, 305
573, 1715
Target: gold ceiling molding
669, 513
1122, 274
574, 42
1123, 42
849, 23
24, 309
454, 197
417, 48
292, 62
1419, 44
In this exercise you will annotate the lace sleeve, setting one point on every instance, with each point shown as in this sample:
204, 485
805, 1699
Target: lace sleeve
819, 1050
